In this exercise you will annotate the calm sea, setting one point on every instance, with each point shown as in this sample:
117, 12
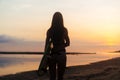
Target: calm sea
13, 63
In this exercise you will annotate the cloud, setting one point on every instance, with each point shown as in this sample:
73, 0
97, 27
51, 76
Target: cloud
25, 6
8, 43
21, 6
5, 39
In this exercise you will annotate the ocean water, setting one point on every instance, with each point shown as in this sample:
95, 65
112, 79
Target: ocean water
14, 63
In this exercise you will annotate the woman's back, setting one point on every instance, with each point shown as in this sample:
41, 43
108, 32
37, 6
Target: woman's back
58, 38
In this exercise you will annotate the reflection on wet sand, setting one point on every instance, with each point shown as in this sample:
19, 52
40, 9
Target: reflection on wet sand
11, 64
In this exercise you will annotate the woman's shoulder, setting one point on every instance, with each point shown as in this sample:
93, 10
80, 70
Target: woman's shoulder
49, 30
65, 30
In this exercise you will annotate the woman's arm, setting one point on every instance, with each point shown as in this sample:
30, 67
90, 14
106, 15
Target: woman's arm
67, 40
47, 40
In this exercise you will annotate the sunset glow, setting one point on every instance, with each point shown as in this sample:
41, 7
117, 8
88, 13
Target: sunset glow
92, 24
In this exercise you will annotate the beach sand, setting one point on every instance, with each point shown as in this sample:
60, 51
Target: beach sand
103, 70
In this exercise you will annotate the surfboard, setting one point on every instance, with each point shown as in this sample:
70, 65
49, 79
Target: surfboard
44, 61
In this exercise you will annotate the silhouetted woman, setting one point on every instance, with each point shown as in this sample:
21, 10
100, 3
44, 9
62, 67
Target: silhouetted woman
58, 35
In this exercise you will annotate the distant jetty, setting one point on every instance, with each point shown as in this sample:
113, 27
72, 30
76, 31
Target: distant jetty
41, 53
116, 51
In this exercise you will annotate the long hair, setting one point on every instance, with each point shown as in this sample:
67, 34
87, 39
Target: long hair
57, 26
57, 20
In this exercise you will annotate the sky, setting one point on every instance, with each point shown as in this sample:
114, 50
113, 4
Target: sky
93, 25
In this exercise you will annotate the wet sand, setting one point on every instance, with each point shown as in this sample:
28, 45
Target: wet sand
103, 70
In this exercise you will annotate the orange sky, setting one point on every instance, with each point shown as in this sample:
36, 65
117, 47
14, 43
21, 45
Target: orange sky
93, 21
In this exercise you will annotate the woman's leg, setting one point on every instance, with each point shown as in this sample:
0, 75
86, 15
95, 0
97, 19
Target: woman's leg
61, 63
52, 68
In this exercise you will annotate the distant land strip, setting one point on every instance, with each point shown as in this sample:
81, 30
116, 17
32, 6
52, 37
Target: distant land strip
41, 53
116, 51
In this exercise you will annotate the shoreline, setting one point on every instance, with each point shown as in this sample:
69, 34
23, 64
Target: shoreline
103, 70
41, 53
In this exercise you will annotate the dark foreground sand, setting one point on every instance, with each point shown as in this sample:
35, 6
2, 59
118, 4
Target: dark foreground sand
104, 70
